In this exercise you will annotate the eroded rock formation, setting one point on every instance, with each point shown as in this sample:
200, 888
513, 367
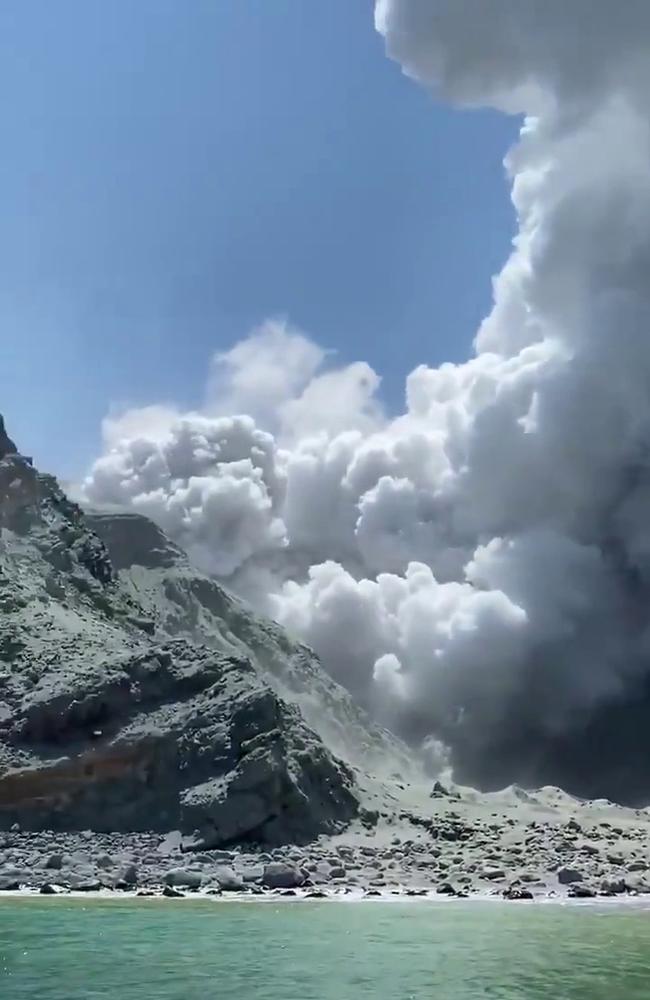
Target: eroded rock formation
115, 715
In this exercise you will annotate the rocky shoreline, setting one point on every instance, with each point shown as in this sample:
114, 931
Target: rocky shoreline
498, 855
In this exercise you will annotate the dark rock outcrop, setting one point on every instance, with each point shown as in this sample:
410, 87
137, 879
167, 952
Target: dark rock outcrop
133, 540
7, 447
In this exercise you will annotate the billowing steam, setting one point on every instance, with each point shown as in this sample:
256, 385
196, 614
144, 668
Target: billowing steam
479, 567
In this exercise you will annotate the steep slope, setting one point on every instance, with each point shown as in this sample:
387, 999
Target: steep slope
111, 719
179, 600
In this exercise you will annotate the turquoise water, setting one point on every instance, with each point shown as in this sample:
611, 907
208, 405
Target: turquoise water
181, 950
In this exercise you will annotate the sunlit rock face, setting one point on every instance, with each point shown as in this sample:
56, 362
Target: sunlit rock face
114, 715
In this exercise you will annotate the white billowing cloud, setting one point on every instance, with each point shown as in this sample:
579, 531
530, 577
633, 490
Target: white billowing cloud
220, 485
334, 402
263, 373
213, 483
477, 569
519, 55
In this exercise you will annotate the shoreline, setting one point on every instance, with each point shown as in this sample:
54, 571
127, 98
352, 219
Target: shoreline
428, 897
458, 846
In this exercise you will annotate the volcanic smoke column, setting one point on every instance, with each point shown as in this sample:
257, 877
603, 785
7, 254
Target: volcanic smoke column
550, 459
476, 569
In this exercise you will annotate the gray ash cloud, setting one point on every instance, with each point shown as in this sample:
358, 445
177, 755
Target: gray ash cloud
478, 567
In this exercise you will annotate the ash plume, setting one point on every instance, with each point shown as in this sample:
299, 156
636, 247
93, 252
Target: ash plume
477, 569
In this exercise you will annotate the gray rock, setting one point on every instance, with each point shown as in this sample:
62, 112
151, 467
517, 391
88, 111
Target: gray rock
492, 873
517, 892
252, 873
613, 887
54, 862
172, 893
266, 794
183, 877
88, 885
574, 826
282, 875
212, 856
566, 876
129, 875
229, 880
637, 885
581, 892
23, 875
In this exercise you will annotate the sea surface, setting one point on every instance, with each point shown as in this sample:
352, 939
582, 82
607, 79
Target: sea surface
185, 950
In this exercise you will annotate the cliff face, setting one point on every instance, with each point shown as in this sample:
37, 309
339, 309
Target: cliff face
136, 694
180, 601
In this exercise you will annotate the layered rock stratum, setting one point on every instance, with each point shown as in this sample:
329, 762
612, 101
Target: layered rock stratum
136, 694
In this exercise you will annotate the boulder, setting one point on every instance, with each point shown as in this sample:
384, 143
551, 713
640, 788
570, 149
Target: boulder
282, 875
183, 877
517, 892
229, 880
88, 885
566, 876
252, 873
172, 893
573, 825
613, 886
285, 786
129, 875
492, 873
581, 892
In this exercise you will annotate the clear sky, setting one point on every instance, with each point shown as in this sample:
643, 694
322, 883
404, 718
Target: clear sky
175, 171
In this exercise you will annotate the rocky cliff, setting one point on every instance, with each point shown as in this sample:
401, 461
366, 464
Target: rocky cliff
136, 694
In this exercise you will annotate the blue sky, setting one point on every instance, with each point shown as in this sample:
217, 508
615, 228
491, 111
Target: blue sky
173, 173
